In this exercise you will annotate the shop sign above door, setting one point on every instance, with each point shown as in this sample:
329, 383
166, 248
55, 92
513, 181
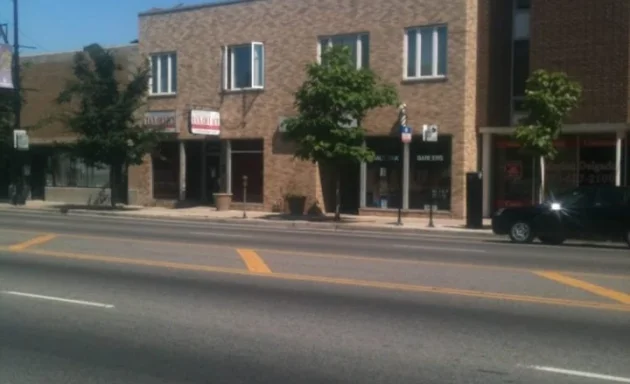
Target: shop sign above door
164, 121
205, 123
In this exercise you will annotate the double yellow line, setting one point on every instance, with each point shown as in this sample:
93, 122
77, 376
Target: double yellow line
256, 266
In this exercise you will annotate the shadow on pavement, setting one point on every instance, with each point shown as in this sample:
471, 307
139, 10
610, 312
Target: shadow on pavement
594, 245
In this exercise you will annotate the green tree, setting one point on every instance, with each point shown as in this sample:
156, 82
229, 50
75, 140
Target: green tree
334, 95
549, 98
103, 113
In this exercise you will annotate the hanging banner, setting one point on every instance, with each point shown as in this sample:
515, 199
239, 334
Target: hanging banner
6, 64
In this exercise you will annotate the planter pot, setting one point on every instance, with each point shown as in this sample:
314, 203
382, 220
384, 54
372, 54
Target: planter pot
222, 201
296, 205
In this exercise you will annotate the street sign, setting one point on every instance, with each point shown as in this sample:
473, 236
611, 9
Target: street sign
430, 133
405, 133
20, 140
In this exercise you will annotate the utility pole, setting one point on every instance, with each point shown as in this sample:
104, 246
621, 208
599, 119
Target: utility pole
17, 88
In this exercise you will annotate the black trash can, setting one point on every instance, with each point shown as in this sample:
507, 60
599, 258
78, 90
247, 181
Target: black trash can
474, 200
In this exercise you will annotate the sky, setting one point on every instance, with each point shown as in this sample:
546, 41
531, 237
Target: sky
69, 25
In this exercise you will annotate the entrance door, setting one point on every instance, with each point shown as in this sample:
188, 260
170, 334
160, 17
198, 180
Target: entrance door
213, 178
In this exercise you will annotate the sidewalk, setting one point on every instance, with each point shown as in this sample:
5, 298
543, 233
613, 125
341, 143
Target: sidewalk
278, 220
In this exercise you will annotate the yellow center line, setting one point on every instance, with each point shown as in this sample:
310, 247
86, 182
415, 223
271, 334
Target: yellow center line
335, 281
32, 242
253, 261
621, 297
293, 253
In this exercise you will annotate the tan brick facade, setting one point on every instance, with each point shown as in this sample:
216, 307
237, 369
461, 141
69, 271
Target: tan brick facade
587, 39
290, 32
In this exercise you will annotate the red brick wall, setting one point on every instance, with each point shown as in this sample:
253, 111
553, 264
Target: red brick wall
589, 40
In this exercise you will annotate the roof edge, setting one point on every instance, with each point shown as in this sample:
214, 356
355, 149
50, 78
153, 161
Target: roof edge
110, 47
189, 8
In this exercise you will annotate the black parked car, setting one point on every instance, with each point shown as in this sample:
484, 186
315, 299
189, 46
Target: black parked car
597, 212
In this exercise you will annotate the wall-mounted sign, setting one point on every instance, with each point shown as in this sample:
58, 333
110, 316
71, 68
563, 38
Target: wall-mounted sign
430, 158
6, 65
165, 121
514, 170
20, 140
205, 123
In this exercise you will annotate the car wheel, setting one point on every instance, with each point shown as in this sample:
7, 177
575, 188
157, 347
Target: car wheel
552, 240
521, 232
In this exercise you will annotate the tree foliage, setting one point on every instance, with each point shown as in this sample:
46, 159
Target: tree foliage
549, 98
334, 94
332, 104
103, 112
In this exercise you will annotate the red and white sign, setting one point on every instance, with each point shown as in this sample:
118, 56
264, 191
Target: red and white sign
405, 137
205, 123
165, 121
514, 170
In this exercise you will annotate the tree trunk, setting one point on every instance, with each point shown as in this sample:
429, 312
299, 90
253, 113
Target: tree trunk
338, 195
543, 186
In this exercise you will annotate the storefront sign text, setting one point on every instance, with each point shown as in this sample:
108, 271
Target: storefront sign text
205, 123
430, 158
164, 121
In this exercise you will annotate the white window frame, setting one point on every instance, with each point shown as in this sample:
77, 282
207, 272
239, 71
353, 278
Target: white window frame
436, 50
328, 41
229, 70
171, 72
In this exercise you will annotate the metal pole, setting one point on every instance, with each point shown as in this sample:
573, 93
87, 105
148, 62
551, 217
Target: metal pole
400, 183
244, 197
431, 225
402, 119
16, 164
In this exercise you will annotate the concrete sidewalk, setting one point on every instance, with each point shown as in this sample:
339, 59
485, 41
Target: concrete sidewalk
278, 220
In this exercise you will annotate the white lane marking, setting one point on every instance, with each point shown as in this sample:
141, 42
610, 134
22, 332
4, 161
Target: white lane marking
59, 299
218, 234
589, 375
427, 248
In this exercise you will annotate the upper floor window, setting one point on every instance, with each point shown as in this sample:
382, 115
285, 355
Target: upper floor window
163, 74
244, 66
425, 52
359, 45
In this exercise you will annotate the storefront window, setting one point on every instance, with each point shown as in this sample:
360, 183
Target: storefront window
247, 160
562, 172
430, 174
66, 171
383, 174
581, 160
597, 159
165, 161
513, 174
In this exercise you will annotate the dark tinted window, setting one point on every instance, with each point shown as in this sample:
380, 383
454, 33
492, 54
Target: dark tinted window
576, 198
611, 197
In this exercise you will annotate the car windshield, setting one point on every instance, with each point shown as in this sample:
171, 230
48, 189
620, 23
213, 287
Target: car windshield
569, 198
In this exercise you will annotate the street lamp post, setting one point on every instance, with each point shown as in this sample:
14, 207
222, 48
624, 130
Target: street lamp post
244, 196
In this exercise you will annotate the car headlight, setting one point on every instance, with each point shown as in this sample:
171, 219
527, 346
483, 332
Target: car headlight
556, 207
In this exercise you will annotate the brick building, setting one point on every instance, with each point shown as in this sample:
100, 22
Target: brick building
224, 74
241, 61
52, 175
590, 41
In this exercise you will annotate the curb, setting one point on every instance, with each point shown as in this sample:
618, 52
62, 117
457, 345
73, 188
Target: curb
268, 223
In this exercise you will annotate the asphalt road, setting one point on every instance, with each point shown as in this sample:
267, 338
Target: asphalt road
105, 300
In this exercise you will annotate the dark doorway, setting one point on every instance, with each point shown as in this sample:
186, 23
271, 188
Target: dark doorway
349, 187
